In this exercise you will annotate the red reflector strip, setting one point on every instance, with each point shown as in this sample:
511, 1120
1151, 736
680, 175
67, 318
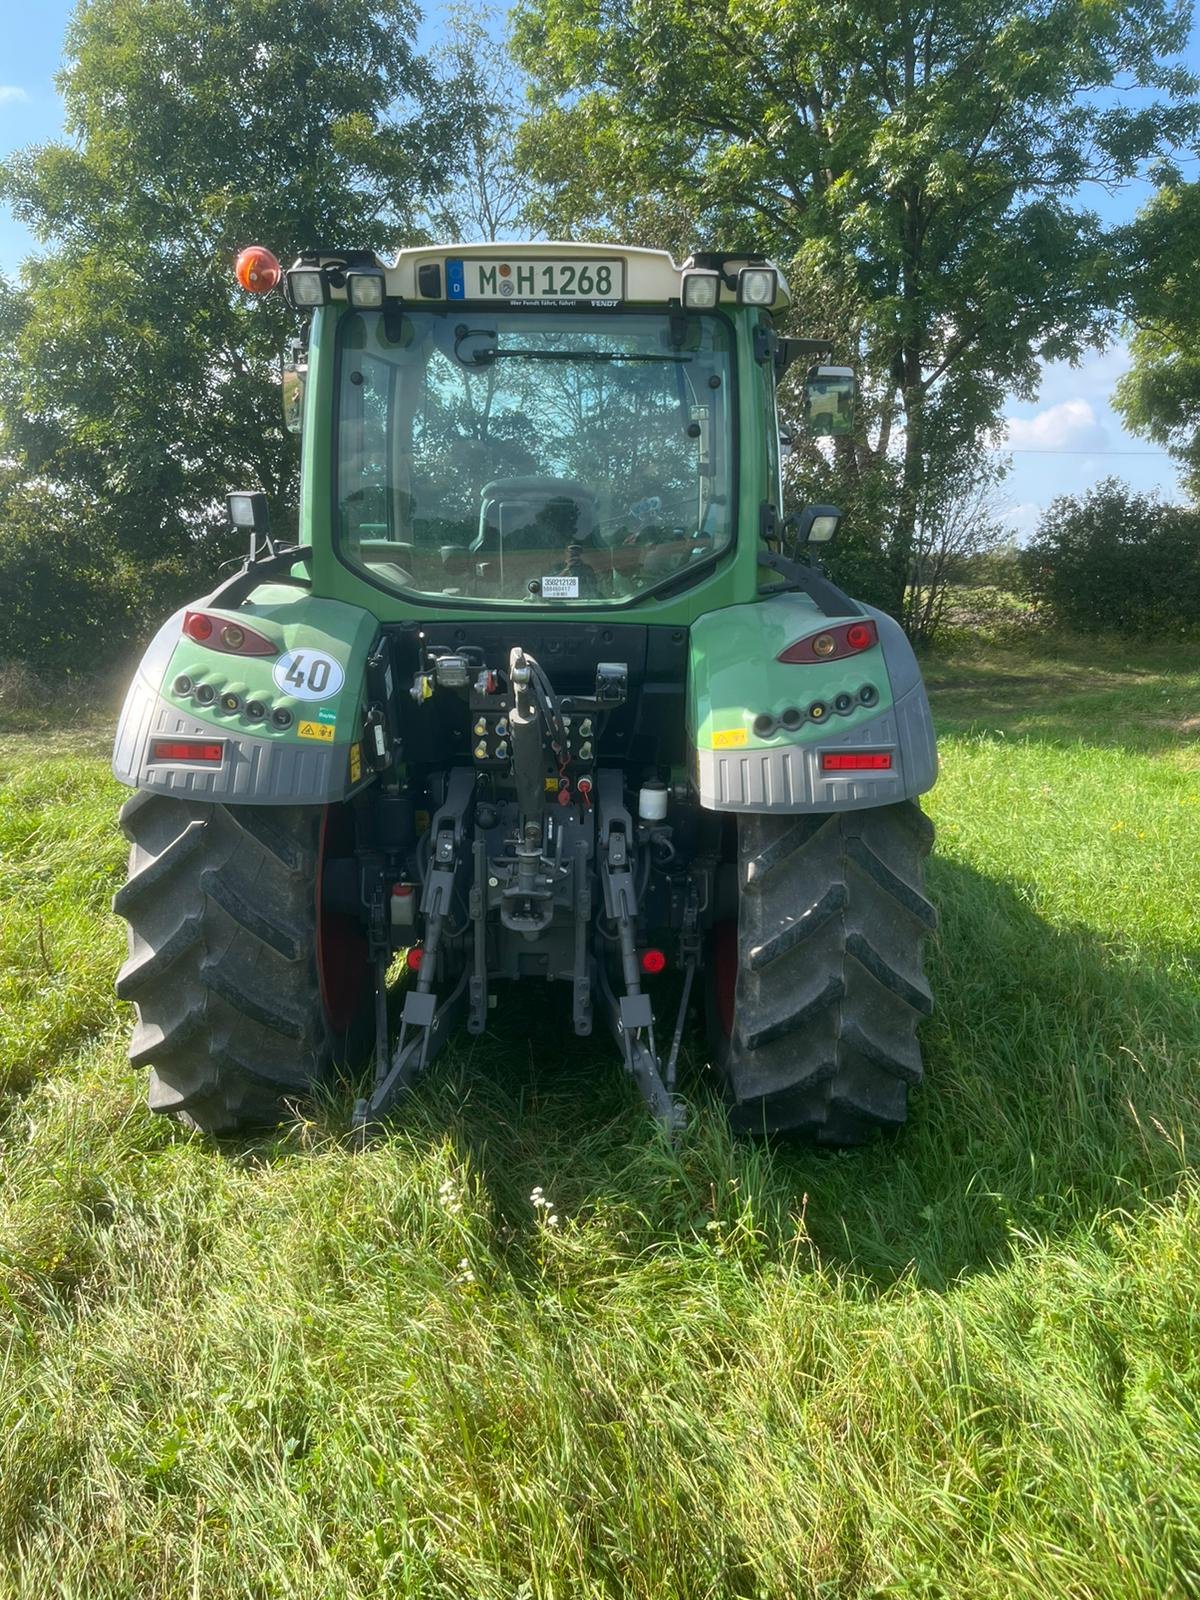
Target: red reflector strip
185, 750
856, 761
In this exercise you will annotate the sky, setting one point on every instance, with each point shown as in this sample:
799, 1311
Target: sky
1064, 442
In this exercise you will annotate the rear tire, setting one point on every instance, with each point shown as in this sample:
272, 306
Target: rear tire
818, 987
246, 996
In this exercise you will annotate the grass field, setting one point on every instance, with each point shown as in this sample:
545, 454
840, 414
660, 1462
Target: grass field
960, 1365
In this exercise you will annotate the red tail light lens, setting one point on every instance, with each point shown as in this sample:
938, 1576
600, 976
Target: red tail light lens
856, 761
185, 750
232, 638
831, 643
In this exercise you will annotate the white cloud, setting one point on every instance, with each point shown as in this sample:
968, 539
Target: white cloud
12, 94
1094, 378
1070, 425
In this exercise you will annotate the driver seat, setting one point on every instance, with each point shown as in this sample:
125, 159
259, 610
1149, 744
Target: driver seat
534, 514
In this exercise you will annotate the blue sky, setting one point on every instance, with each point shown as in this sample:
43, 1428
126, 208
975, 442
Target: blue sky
1062, 443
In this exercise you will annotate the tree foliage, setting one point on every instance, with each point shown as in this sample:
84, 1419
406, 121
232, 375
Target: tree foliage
917, 167
1160, 395
1116, 559
490, 191
135, 377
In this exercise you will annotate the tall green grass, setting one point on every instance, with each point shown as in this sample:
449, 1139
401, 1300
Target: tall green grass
964, 1362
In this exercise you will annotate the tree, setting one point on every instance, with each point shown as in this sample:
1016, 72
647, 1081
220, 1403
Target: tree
1160, 395
1117, 559
132, 372
916, 166
491, 193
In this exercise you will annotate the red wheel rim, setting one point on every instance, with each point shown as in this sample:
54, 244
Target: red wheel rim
724, 954
341, 946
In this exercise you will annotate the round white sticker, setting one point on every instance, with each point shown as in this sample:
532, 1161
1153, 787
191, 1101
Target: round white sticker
308, 675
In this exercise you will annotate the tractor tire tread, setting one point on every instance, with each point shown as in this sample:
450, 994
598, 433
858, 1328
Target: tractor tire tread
828, 999
221, 905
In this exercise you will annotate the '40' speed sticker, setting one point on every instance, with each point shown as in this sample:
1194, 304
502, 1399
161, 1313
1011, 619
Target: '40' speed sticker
308, 675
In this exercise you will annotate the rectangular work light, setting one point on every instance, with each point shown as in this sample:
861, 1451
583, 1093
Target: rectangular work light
307, 286
757, 286
364, 289
701, 290
248, 509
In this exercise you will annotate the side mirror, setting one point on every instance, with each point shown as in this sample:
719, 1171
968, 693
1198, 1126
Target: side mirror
293, 372
817, 524
829, 402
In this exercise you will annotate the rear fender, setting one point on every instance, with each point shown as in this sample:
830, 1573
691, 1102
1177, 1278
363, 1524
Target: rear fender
873, 702
305, 747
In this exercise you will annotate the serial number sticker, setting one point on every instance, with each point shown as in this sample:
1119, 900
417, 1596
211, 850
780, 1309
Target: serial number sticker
308, 675
560, 588
727, 738
517, 279
355, 763
315, 730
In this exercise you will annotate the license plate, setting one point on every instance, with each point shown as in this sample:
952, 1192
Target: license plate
516, 280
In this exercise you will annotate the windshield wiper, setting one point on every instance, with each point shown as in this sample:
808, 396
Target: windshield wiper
484, 358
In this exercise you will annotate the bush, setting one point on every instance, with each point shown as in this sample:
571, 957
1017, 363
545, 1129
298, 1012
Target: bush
70, 603
1116, 559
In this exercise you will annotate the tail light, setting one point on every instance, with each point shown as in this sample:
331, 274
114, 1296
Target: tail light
848, 639
186, 750
218, 633
856, 761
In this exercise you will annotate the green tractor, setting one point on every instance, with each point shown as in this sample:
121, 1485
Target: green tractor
548, 692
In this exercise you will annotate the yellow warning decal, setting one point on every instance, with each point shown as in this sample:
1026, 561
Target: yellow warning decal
727, 738
315, 730
551, 785
355, 762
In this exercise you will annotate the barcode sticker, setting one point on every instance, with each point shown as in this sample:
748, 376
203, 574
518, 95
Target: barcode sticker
560, 588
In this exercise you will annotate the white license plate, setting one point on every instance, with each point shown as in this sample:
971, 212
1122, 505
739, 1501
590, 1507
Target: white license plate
511, 278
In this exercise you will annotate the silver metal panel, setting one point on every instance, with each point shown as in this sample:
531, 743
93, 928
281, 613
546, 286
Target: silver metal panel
255, 771
788, 777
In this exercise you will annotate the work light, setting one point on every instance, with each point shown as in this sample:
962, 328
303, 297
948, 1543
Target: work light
824, 526
248, 509
701, 290
757, 286
307, 286
364, 288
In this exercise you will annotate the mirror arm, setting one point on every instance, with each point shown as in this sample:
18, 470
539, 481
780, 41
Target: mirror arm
789, 350
831, 600
251, 573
